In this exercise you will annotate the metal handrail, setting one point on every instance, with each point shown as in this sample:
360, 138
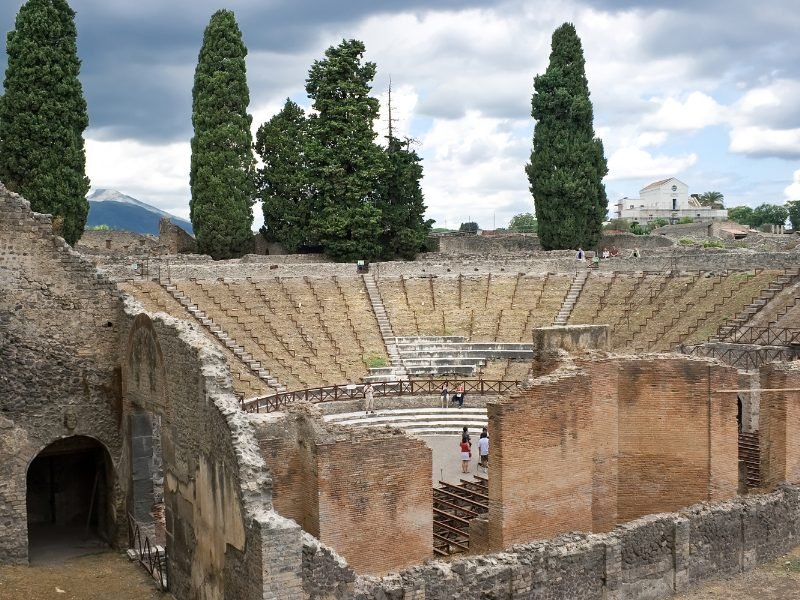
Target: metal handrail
765, 336
352, 391
148, 554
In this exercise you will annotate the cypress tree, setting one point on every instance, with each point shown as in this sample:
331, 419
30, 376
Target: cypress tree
43, 116
345, 164
567, 162
222, 167
282, 182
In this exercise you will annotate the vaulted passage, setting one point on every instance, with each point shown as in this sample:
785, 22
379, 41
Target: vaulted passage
67, 499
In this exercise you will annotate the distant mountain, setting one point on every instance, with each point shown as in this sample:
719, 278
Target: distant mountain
119, 211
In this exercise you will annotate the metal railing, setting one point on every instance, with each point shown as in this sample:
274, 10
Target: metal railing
764, 336
405, 387
743, 358
148, 554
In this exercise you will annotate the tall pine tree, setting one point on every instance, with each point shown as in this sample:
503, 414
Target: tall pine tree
223, 166
283, 185
402, 203
345, 165
43, 116
567, 162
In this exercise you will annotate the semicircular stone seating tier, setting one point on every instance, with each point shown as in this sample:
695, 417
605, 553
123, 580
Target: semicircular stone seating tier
416, 421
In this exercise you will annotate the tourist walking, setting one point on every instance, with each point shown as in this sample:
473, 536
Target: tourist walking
445, 394
369, 399
466, 455
483, 448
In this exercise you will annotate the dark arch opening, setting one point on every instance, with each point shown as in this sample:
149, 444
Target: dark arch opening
739, 415
68, 500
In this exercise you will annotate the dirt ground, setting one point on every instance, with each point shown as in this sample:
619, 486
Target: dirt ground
105, 576
778, 580
110, 575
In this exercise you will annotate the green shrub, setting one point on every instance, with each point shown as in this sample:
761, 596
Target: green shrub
685, 220
686, 242
712, 244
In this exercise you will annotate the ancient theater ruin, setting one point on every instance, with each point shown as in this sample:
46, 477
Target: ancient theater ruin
643, 417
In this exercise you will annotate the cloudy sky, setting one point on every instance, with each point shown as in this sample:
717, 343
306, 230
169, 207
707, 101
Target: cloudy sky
706, 91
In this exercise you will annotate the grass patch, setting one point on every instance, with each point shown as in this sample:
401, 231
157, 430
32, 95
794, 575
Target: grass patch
375, 361
686, 242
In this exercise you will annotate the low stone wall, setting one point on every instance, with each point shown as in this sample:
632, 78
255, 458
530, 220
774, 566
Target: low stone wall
629, 241
476, 244
439, 265
649, 558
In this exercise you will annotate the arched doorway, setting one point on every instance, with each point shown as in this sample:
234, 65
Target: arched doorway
68, 499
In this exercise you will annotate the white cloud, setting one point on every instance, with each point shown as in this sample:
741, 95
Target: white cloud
156, 174
635, 163
792, 191
697, 111
479, 172
761, 141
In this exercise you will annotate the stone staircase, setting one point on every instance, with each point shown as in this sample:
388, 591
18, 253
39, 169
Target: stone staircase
424, 356
395, 370
730, 326
571, 298
238, 350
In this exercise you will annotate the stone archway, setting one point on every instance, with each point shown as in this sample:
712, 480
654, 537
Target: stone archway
69, 489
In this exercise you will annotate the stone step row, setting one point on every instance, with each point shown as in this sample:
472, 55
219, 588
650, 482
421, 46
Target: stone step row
238, 350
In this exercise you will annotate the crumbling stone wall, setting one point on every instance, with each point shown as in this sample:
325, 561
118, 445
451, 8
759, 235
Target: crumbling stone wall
365, 492
59, 333
651, 557
174, 239
216, 487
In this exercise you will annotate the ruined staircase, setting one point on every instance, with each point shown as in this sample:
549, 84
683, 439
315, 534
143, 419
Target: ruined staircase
453, 507
238, 350
750, 455
571, 298
396, 369
730, 326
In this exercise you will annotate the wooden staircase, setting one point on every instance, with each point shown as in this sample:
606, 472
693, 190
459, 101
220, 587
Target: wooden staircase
453, 507
750, 455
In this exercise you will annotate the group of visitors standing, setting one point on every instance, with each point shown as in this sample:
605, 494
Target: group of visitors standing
465, 449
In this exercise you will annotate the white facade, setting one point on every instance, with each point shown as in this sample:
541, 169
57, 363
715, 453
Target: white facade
666, 199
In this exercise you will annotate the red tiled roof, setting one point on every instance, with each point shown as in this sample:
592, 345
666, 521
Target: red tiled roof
656, 184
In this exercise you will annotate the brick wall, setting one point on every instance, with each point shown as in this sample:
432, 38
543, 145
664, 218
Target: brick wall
542, 461
375, 500
605, 441
365, 492
779, 433
618, 438
677, 439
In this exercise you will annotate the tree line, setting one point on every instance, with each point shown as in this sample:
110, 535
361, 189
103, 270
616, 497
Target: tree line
325, 184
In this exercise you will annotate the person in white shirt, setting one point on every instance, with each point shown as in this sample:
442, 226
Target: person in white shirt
483, 448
